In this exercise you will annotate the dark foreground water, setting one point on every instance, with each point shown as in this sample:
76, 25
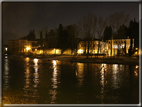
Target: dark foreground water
36, 81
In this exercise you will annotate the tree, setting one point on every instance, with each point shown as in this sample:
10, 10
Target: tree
52, 39
101, 23
88, 26
117, 19
122, 32
60, 36
134, 34
30, 36
72, 37
107, 33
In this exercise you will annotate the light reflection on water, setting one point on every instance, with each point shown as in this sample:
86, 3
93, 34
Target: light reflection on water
115, 76
6, 74
28, 87
102, 81
136, 71
80, 73
53, 91
108, 77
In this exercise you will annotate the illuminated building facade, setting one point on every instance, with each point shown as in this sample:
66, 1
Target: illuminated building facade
20, 46
118, 46
95, 46
110, 47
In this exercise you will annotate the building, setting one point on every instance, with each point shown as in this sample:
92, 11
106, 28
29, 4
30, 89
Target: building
110, 47
118, 46
96, 47
20, 46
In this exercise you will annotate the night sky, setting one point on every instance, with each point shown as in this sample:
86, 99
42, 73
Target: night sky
19, 18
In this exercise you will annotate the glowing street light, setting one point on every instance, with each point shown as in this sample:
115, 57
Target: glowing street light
6, 48
28, 48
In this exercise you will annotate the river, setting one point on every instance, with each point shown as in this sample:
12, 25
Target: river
39, 81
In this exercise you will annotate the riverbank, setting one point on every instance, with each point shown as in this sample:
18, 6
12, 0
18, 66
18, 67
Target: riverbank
91, 59
108, 60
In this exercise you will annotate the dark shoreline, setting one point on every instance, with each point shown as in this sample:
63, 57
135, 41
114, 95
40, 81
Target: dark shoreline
83, 59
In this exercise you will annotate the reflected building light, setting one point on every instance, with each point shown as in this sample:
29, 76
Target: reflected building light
6, 48
121, 67
137, 66
115, 76
136, 70
27, 60
104, 65
36, 80
54, 62
76, 73
27, 80
102, 81
115, 68
36, 61
136, 73
53, 91
6, 74
80, 73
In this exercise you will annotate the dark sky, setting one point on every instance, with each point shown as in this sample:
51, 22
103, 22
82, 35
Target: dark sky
19, 18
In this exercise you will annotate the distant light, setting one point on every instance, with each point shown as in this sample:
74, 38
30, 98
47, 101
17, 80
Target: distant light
136, 48
115, 46
28, 48
137, 66
122, 46
35, 61
27, 59
6, 49
54, 62
80, 51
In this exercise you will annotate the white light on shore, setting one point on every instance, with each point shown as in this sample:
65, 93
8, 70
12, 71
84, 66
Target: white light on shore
80, 51
28, 48
36, 61
6, 49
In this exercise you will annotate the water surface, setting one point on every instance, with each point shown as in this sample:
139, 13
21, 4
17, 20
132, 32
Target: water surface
36, 81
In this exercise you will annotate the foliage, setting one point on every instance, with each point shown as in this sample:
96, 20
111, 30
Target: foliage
30, 36
107, 33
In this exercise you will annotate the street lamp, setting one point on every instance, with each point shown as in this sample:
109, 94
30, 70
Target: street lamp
6, 48
27, 48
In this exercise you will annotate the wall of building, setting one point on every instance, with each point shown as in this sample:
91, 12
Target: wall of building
93, 49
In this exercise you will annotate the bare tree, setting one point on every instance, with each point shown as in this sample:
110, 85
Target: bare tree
117, 19
88, 28
101, 24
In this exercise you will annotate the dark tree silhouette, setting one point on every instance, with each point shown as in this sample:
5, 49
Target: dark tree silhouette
30, 36
107, 33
